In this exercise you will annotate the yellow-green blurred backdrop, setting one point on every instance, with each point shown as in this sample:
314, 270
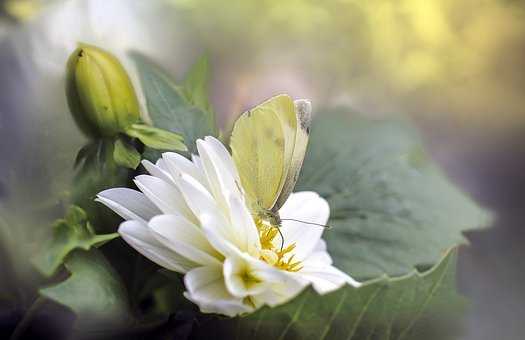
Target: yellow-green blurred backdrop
456, 66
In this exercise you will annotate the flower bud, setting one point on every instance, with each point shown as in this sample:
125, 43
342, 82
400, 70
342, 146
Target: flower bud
99, 92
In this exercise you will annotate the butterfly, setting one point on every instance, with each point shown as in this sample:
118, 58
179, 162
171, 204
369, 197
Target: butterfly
268, 145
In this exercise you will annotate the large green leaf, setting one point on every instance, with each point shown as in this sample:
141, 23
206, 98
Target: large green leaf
93, 291
72, 232
169, 105
386, 309
391, 208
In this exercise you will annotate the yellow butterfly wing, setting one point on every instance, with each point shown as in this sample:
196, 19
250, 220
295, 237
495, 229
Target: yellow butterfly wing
303, 117
262, 144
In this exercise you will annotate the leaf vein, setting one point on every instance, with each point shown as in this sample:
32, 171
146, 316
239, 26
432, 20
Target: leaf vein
294, 318
425, 303
334, 315
362, 313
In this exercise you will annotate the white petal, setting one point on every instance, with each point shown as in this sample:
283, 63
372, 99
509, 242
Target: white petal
321, 245
220, 159
284, 286
201, 202
275, 286
325, 278
198, 163
137, 235
157, 171
185, 238
217, 228
320, 255
241, 278
129, 204
308, 207
243, 226
205, 287
161, 164
216, 233
178, 165
279, 294
164, 195
219, 175
220, 151
241, 232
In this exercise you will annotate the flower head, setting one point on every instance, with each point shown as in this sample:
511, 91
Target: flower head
191, 217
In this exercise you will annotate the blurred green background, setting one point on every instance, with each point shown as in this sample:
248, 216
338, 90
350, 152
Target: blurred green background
457, 67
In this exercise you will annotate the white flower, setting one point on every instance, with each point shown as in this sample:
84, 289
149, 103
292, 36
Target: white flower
191, 217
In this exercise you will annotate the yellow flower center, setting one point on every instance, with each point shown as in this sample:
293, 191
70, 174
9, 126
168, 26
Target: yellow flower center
275, 256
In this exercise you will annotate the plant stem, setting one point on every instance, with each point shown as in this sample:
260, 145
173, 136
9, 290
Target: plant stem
26, 319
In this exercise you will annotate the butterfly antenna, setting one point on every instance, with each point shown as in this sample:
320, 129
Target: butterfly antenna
282, 237
311, 223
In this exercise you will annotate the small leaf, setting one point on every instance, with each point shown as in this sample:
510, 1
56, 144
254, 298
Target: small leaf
386, 309
84, 153
391, 208
125, 155
72, 232
168, 105
156, 138
196, 84
93, 291
99, 172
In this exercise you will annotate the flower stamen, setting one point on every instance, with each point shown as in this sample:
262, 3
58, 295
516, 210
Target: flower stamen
271, 254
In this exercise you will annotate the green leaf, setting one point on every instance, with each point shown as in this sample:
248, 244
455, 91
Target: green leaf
391, 208
73, 232
125, 155
385, 309
156, 138
98, 171
196, 84
169, 107
93, 291
84, 153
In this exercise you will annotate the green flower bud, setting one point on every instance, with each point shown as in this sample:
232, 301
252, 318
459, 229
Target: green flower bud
99, 92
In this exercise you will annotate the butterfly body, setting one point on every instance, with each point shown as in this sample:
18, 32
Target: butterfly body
268, 217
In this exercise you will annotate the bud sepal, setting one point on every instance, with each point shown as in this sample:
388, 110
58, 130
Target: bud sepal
156, 138
125, 154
